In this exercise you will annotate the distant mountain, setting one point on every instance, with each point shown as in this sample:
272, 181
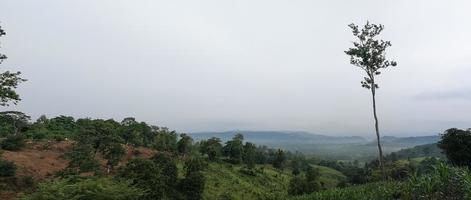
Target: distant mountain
408, 141
426, 150
329, 147
280, 137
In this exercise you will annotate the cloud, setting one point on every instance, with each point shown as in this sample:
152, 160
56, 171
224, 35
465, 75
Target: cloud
461, 94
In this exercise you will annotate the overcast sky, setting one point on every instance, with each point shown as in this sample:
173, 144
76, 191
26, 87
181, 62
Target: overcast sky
215, 65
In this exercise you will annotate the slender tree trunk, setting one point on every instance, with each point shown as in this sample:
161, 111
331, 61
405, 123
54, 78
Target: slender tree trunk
381, 163
14, 128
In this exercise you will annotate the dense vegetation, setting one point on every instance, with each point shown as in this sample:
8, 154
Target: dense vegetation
181, 168
444, 182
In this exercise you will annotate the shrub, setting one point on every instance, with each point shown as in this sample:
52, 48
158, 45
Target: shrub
25, 182
7, 168
82, 157
444, 183
247, 171
13, 143
99, 189
456, 144
192, 186
144, 174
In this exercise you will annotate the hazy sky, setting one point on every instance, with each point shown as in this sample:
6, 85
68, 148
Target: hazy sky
245, 64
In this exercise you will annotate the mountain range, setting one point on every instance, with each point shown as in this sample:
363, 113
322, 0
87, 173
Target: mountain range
300, 137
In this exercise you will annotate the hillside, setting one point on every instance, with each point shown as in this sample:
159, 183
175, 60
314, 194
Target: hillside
408, 141
42, 160
225, 181
426, 150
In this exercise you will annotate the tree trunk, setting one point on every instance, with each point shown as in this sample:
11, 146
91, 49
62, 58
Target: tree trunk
380, 160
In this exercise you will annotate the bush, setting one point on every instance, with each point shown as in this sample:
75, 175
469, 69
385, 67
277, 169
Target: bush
456, 144
25, 182
144, 174
247, 171
13, 143
445, 183
96, 189
82, 157
7, 168
192, 186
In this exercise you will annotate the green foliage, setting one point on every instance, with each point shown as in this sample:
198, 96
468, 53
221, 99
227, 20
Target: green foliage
427, 150
305, 184
228, 181
82, 158
8, 82
135, 133
13, 142
374, 191
369, 53
184, 144
394, 170
169, 171
165, 140
194, 164
86, 189
444, 183
146, 175
249, 155
297, 186
13, 123
280, 159
57, 128
211, 147
96, 136
234, 149
295, 167
7, 168
456, 144
113, 153
192, 186
427, 165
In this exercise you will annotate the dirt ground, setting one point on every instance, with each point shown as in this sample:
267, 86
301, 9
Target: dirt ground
42, 159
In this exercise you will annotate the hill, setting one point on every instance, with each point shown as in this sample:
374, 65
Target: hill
280, 137
426, 150
41, 160
226, 181
408, 141
322, 146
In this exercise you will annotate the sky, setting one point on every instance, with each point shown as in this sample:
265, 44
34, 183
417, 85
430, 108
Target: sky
217, 65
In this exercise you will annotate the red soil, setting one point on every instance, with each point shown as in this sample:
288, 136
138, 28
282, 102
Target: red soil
39, 160
42, 160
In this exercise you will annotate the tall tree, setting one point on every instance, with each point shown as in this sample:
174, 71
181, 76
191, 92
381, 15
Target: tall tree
234, 149
8, 82
456, 145
212, 147
249, 154
17, 120
280, 159
369, 54
184, 144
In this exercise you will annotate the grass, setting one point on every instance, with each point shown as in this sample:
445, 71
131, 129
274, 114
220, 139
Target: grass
445, 183
372, 191
330, 177
227, 181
